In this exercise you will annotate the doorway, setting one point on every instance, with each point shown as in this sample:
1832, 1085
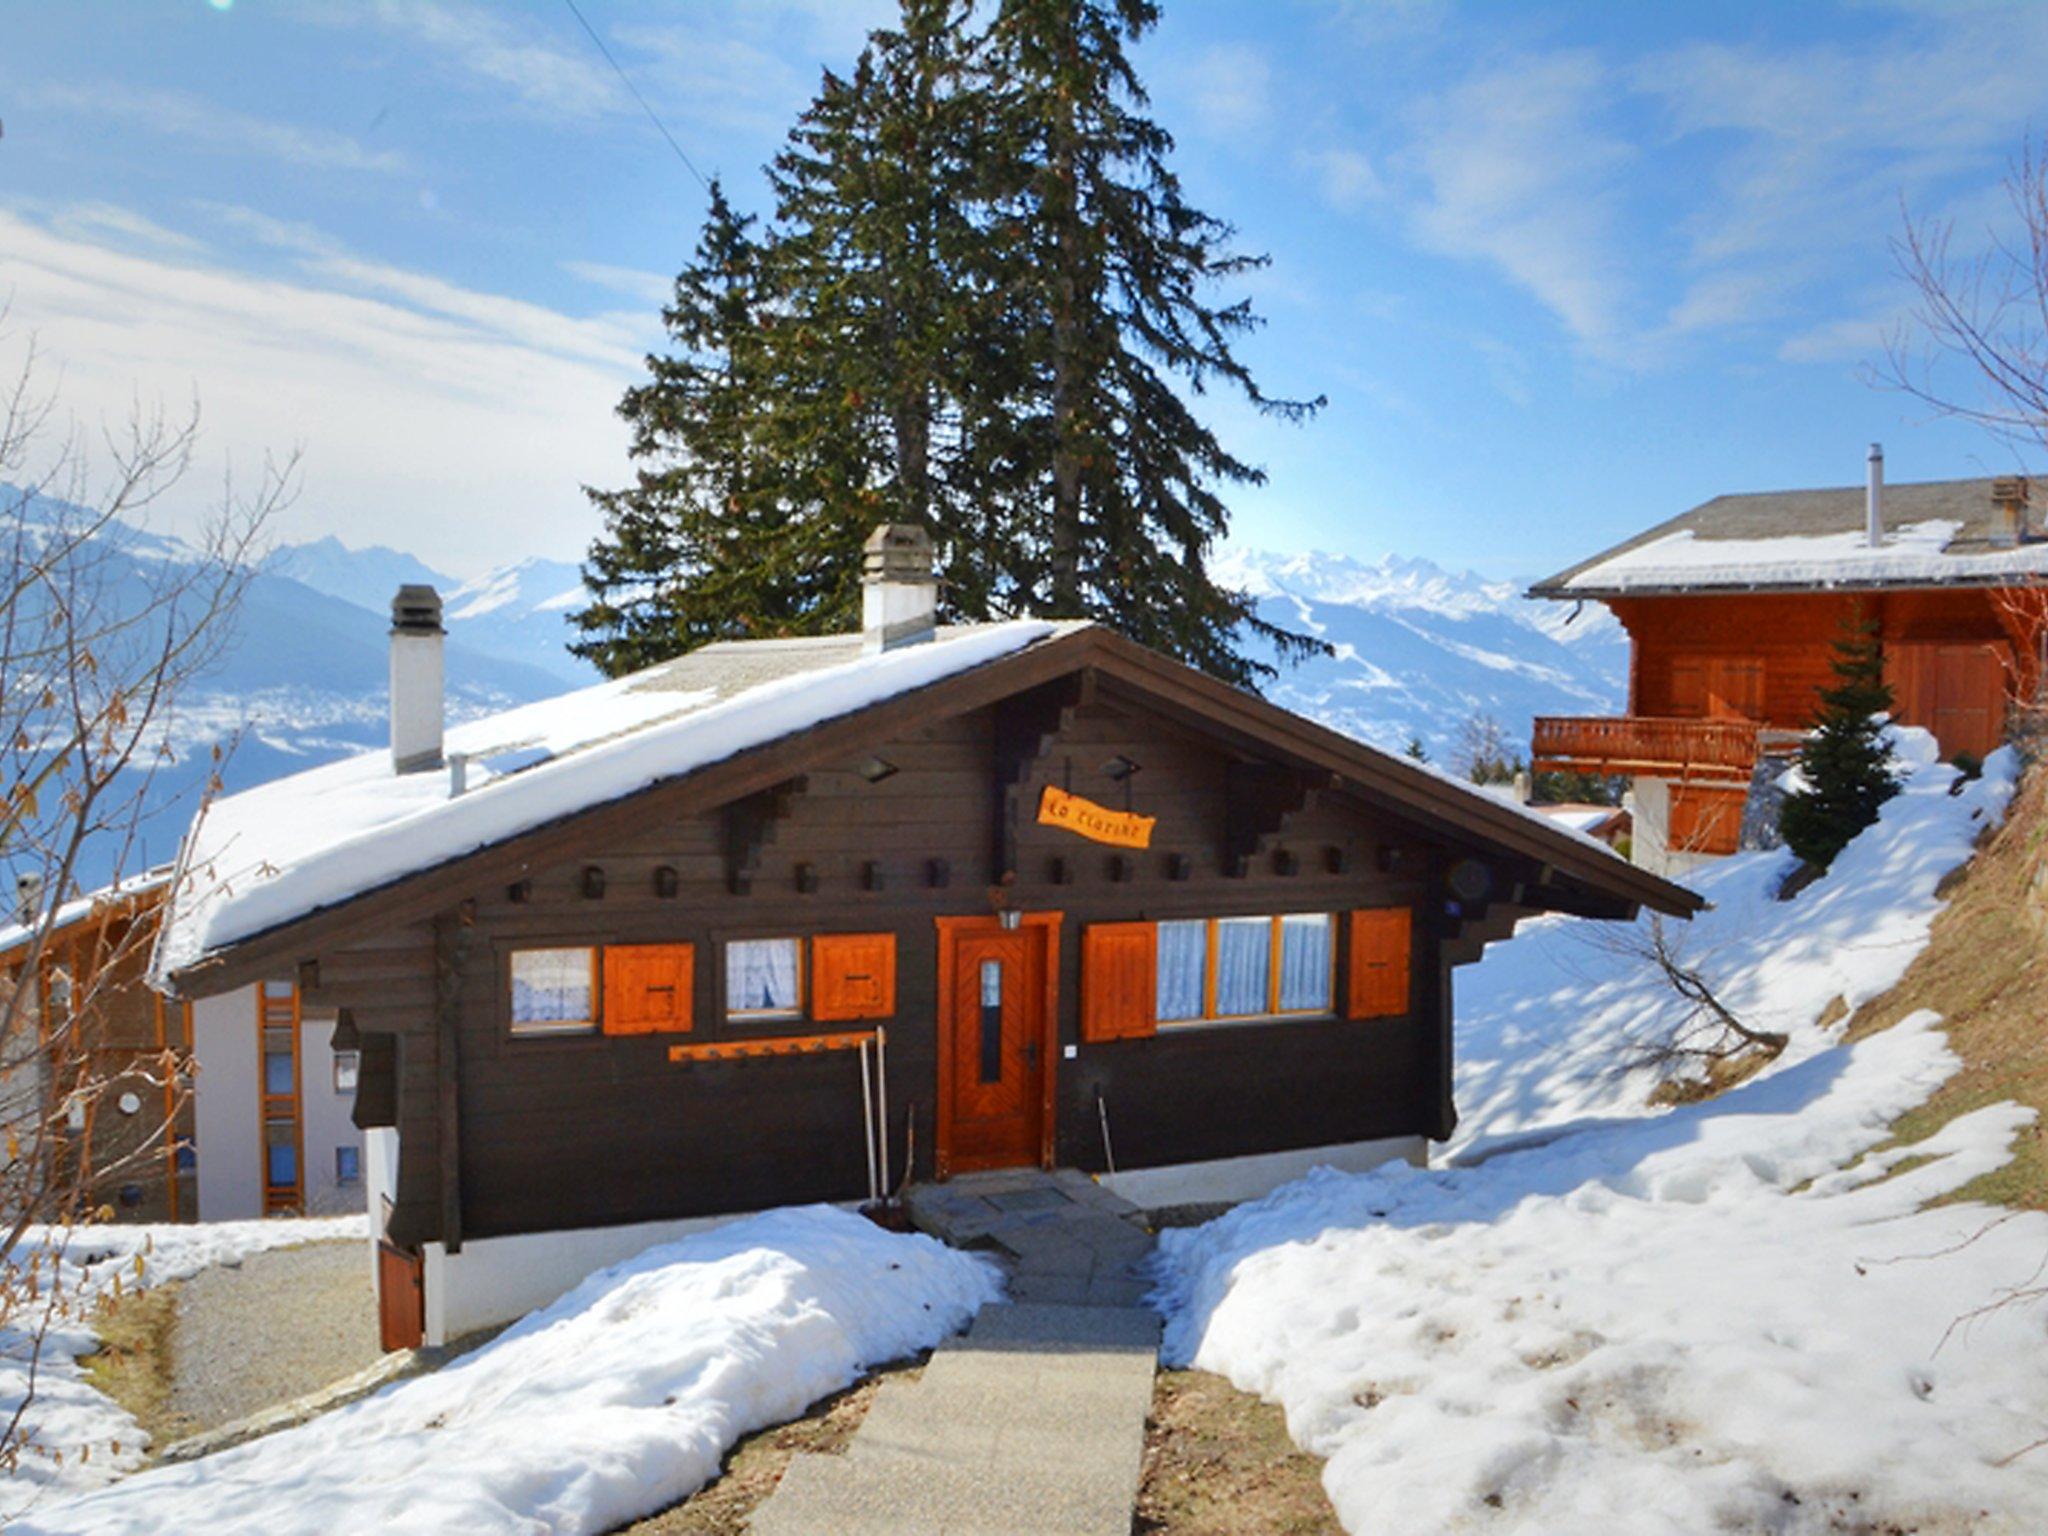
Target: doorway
998, 1029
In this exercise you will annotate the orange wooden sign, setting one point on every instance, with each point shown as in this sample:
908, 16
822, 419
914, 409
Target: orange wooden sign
1120, 829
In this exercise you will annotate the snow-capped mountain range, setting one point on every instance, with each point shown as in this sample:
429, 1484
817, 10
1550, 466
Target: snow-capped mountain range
1418, 650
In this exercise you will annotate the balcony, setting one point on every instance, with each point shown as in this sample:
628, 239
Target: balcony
1697, 751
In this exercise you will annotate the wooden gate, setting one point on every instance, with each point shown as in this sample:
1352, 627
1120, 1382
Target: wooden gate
401, 1298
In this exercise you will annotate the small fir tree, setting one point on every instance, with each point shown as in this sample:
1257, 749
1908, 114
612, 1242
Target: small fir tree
1847, 770
1416, 751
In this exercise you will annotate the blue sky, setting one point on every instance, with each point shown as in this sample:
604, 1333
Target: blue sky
1561, 271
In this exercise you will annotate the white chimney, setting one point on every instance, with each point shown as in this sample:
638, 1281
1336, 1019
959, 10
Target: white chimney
899, 598
1873, 499
416, 675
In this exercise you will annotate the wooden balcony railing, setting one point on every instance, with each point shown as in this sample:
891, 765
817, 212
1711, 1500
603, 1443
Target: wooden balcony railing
1699, 750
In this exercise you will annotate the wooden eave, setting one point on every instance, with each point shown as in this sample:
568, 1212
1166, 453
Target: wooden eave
1226, 711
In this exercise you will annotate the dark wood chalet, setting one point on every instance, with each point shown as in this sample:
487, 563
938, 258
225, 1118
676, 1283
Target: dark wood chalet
929, 901
1733, 609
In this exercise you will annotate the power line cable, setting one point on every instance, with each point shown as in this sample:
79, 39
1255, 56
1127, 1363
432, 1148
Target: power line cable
626, 80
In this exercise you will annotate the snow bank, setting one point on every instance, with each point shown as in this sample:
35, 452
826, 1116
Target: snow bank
292, 846
1650, 1327
613, 1402
1549, 1020
1734, 1315
78, 1438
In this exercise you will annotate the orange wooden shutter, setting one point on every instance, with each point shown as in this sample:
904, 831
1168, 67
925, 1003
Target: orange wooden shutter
853, 976
1119, 981
647, 988
1379, 962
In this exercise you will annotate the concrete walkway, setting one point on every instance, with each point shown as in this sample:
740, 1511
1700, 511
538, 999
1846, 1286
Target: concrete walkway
1034, 1420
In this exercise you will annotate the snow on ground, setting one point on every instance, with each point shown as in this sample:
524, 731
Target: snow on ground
78, 1438
1550, 1020
1718, 1317
613, 1402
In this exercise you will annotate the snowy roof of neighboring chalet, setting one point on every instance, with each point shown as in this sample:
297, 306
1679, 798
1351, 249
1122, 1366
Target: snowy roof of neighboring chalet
1938, 533
107, 899
282, 850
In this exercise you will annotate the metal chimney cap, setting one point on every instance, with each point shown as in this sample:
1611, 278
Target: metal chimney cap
416, 610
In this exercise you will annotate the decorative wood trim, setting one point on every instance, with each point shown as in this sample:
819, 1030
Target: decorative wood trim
949, 928
770, 1045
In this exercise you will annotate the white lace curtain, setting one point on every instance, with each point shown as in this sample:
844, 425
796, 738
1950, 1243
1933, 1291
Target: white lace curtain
761, 976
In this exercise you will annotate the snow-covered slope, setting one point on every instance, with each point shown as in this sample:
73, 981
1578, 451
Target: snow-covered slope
303, 679
521, 612
1419, 650
1737, 1315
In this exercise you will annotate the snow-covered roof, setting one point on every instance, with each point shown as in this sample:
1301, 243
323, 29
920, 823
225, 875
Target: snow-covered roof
1938, 533
106, 899
285, 849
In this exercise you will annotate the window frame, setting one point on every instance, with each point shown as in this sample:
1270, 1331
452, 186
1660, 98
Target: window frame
348, 1180
557, 1029
798, 1014
1273, 1012
354, 1059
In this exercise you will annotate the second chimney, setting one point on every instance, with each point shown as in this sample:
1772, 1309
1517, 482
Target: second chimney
1873, 499
2008, 510
899, 597
416, 678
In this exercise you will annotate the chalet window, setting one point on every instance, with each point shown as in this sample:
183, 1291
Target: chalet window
1223, 968
554, 991
764, 979
347, 1068
348, 1165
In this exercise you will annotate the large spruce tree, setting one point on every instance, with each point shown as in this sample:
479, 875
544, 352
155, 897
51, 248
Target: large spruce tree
1845, 764
696, 549
1113, 270
982, 305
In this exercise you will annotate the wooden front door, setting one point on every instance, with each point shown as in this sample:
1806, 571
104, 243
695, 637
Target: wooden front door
994, 1068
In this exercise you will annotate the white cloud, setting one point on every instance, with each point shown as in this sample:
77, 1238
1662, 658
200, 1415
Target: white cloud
1521, 173
1229, 87
555, 71
1348, 177
198, 121
649, 288
451, 422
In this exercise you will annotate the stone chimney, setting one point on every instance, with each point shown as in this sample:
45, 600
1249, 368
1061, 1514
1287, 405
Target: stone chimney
416, 678
899, 597
2008, 510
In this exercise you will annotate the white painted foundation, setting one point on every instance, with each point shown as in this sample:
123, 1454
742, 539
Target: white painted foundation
1247, 1178
496, 1279
1650, 847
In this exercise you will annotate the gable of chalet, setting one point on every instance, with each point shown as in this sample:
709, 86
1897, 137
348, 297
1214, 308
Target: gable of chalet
1030, 685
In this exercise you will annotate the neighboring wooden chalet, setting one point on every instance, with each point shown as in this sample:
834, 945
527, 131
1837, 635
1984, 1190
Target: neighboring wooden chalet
629, 960
233, 1107
90, 1050
1733, 609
